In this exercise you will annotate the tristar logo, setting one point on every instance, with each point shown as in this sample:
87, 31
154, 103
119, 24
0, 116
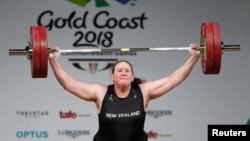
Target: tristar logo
32, 114
98, 3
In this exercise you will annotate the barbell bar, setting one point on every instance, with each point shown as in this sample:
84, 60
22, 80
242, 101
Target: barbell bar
211, 48
28, 51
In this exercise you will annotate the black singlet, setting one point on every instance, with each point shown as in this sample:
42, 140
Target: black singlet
122, 119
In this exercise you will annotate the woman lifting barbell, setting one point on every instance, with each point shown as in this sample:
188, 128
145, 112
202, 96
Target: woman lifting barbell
122, 106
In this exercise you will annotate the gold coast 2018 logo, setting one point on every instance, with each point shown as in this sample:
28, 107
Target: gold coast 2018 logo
100, 3
94, 29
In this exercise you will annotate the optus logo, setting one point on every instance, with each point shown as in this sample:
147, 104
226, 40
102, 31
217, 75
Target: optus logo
98, 3
32, 134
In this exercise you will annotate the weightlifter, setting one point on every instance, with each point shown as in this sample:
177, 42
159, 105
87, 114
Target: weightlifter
122, 106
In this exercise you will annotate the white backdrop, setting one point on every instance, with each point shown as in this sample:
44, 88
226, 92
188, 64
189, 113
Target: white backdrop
39, 109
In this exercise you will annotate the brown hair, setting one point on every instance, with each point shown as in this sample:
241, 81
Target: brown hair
136, 79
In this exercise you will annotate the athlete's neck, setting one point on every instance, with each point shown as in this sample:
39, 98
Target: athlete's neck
122, 91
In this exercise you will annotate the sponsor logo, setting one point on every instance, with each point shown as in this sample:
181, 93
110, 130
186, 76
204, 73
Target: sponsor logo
32, 114
32, 134
154, 135
73, 133
71, 115
158, 113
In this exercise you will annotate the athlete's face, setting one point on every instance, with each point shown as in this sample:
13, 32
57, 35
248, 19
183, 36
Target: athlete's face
123, 74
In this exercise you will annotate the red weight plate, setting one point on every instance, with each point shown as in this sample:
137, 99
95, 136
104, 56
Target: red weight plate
43, 51
35, 44
217, 48
207, 41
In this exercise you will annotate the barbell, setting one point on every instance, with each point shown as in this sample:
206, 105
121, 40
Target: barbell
211, 48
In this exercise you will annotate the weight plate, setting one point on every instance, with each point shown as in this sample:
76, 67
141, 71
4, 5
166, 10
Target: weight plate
43, 51
217, 48
35, 45
207, 54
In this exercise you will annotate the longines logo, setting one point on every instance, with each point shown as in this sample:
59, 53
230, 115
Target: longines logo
73, 133
158, 113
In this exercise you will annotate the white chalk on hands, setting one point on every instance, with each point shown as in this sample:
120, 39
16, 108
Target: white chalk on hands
54, 54
192, 51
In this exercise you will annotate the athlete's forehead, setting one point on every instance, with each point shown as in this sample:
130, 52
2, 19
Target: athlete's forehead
122, 64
